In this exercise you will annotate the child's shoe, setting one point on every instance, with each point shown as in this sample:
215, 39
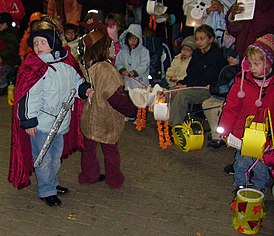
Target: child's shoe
61, 190
51, 200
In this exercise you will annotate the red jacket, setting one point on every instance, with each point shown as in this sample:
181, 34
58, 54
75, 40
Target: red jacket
237, 109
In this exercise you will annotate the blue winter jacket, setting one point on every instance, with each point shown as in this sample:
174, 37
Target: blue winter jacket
42, 103
136, 59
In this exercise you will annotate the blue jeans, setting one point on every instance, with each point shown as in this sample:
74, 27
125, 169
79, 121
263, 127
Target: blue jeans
46, 173
260, 172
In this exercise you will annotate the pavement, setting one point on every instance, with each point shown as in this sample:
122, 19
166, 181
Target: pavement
166, 192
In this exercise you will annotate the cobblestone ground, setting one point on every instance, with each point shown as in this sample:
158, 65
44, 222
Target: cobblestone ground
166, 192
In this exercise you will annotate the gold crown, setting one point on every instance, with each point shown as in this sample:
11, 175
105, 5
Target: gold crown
46, 22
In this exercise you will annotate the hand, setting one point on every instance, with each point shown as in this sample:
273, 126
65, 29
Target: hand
131, 74
31, 131
215, 6
236, 9
224, 138
90, 93
180, 86
232, 61
167, 16
174, 79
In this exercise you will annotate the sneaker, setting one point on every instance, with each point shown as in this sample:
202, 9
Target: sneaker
229, 169
61, 190
51, 200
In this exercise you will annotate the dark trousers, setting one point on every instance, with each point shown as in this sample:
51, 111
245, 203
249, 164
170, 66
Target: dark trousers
90, 167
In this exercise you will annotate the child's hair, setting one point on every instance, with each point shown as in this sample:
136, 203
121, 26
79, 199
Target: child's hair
118, 19
208, 30
99, 51
254, 53
128, 36
70, 26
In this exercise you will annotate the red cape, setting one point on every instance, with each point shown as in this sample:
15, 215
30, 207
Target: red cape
21, 163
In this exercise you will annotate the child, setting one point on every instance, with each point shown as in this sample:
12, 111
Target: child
133, 59
253, 88
115, 26
45, 80
203, 70
177, 70
103, 119
9, 58
72, 38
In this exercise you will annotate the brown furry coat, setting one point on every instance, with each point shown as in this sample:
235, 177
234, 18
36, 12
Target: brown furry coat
100, 122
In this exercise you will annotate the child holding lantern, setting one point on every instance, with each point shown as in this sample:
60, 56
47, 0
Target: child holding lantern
255, 79
103, 118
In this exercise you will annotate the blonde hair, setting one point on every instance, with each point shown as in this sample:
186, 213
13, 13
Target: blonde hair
254, 53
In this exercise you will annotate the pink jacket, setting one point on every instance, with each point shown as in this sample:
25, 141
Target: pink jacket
15, 8
237, 109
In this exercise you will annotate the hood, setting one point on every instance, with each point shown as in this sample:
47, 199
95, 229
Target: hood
133, 29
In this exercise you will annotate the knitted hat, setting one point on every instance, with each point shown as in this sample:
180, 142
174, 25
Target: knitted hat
190, 42
266, 45
5, 17
52, 36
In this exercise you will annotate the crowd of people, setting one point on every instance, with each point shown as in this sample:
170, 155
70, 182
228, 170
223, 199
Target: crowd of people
99, 50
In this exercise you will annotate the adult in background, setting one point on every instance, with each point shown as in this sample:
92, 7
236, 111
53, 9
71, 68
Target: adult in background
247, 31
66, 11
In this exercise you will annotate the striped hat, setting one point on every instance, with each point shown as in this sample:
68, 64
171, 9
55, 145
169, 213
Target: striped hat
266, 44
